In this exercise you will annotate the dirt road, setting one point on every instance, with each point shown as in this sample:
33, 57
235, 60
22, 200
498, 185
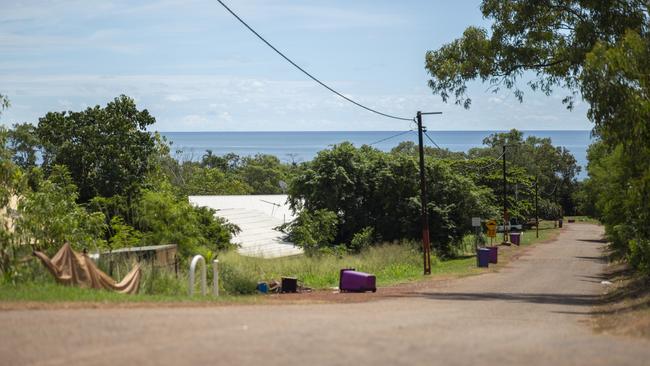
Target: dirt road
533, 312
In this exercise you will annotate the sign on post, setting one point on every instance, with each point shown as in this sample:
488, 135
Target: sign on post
491, 228
476, 221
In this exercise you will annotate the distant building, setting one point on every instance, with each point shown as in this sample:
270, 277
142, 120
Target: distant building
257, 216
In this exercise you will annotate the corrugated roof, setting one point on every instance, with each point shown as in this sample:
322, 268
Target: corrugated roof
257, 216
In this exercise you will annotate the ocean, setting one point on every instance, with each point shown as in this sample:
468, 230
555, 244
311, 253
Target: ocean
299, 146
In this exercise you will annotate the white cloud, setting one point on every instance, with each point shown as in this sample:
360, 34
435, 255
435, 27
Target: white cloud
225, 116
194, 120
176, 98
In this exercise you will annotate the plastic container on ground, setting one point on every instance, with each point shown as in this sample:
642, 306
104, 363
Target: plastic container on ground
353, 281
289, 284
263, 287
482, 257
515, 238
494, 254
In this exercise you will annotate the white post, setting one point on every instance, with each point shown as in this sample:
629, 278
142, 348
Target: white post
195, 260
215, 277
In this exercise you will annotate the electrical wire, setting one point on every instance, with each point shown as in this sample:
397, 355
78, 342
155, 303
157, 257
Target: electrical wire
390, 137
308, 74
552, 191
430, 139
496, 161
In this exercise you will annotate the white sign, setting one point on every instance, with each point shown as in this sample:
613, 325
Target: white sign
476, 221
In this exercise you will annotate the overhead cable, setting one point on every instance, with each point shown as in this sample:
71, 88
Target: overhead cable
390, 137
307, 73
496, 161
430, 139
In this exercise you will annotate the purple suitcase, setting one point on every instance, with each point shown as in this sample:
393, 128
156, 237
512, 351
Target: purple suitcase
353, 281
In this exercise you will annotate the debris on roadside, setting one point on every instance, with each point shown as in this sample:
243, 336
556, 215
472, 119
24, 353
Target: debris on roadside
351, 280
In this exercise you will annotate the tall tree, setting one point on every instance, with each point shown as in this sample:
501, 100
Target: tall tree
24, 144
550, 38
600, 49
107, 150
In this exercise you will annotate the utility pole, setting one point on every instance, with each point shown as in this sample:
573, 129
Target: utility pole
536, 208
505, 201
426, 244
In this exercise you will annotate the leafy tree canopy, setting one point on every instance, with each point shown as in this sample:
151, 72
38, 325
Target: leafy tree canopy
551, 38
600, 49
107, 150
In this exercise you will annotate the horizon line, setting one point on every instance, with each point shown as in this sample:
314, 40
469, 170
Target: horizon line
428, 130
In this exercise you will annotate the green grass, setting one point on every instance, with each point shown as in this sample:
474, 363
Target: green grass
391, 263
547, 231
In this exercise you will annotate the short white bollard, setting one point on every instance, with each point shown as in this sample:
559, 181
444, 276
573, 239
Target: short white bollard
215, 277
195, 260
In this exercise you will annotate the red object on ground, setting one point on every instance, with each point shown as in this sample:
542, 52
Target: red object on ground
353, 281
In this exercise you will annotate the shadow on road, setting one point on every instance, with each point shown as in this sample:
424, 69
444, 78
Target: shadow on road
563, 299
599, 259
600, 241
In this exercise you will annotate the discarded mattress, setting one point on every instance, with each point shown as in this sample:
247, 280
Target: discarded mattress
76, 269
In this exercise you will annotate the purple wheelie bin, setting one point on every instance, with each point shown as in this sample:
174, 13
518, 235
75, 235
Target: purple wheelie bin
515, 238
482, 257
494, 254
353, 281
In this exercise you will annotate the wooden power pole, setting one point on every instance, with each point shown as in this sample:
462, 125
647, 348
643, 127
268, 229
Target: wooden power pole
506, 220
426, 244
536, 208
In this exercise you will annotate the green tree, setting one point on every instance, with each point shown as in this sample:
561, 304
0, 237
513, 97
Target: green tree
554, 168
163, 219
107, 150
49, 217
24, 144
367, 188
600, 49
263, 173
12, 185
551, 38
313, 231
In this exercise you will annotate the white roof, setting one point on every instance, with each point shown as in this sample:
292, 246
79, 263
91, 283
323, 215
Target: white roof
257, 216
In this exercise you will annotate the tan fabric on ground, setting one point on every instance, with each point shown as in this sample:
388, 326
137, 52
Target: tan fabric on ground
72, 268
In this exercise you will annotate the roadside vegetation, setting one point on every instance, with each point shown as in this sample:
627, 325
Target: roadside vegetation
598, 52
392, 263
99, 180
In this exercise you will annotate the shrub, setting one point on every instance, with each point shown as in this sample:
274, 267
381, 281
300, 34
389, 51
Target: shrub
362, 239
237, 281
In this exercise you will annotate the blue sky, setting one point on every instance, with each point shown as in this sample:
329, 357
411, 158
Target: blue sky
195, 68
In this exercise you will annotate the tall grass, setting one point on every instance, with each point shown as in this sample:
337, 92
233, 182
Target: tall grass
391, 263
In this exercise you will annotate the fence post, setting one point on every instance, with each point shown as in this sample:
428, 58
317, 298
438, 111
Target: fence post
215, 277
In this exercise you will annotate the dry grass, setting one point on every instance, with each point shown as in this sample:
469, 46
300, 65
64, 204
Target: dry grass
626, 306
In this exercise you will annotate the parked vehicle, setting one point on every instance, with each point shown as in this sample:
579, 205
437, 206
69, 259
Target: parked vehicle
513, 225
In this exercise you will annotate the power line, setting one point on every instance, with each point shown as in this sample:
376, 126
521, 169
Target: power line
496, 161
308, 74
390, 137
430, 139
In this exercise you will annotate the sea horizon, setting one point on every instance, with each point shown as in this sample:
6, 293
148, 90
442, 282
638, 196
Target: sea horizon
300, 146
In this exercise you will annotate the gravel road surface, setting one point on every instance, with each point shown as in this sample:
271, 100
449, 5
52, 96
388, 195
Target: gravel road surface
534, 311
